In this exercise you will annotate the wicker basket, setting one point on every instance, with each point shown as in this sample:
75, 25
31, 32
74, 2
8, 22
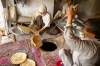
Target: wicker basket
35, 39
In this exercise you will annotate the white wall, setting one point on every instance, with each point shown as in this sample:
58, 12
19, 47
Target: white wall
1, 16
31, 7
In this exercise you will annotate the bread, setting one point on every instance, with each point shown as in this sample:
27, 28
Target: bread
28, 62
81, 35
74, 24
27, 30
18, 58
24, 29
79, 27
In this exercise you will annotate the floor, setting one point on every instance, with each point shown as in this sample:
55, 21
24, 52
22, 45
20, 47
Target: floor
46, 56
56, 39
49, 58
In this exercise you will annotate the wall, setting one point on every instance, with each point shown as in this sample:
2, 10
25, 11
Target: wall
31, 7
58, 5
81, 6
92, 7
96, 8
89, 7
1, 16
28, 10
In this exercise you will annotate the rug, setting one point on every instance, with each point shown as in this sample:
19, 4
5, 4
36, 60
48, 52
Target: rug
7, 50
50, 58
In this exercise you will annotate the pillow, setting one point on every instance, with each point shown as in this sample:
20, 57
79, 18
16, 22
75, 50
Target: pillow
23, 19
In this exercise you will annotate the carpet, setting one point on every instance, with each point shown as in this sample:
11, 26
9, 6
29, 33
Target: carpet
50, 58
7, 50
47, 59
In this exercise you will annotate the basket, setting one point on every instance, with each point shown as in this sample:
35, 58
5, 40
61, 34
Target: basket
35, 39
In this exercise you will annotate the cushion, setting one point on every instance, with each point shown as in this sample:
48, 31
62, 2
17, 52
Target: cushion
23, 19
59, 63
12, 13
7, 39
